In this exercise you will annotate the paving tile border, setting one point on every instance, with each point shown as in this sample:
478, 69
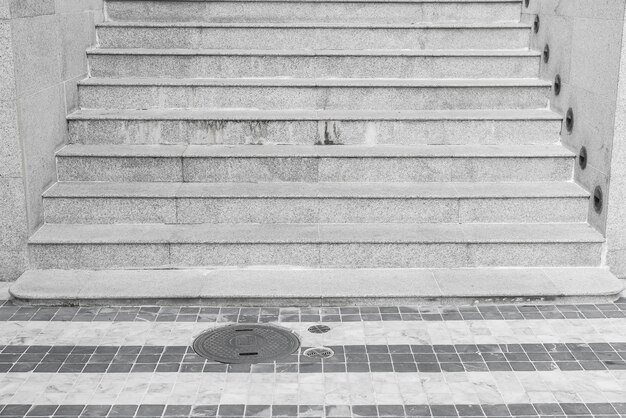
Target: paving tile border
347, 359
604, 410
12, 312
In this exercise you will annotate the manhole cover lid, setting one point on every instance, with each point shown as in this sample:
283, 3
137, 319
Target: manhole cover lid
246, 343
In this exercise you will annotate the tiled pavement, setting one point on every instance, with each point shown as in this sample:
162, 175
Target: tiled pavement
486, 361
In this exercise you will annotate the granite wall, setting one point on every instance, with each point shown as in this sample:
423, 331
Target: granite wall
616, 222
42, 56
585, 50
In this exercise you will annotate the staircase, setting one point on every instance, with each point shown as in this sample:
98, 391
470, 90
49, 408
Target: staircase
315, 151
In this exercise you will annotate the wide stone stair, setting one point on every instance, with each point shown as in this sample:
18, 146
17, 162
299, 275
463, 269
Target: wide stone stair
315, 151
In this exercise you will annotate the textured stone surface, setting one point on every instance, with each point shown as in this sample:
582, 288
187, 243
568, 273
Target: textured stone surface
250, 169
87, 202
617, 260
77, 34
42, 43
12, 216
13, 225
533, 255
5, 9
337, 245
12, 264
393, 255
10, 152
616, 209
241, 37
581, 33
586, 279
523, 210
396, 255
438, 169
299, 163
42, 127
300, 63
163, 11
489, 282
31, 8
157, 127
244, 254
247, 211
73, 6
36, 51
256, 94
119, 169
7, 72
284, 283
104, 211
100, 256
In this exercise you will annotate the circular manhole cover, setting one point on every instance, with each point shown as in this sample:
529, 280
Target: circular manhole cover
246, 343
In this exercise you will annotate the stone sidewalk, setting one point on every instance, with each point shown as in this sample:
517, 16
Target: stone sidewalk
403, 361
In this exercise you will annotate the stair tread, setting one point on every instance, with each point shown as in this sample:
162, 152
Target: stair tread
250, 285
315, 233
315, 151
317, 82
342, 1
449, 190
254, 114
339, 25
319, 52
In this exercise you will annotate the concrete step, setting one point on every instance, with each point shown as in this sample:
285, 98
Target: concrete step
310, 93
233, 63
188, 203
325, 11
268, 163
280, 286
405, 245
245, 126
267, 35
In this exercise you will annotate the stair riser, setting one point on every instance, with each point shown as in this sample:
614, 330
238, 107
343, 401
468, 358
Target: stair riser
400, 132
387, 98
192, 11
76, 256
313, 38
311, 210
308, 67
298, 169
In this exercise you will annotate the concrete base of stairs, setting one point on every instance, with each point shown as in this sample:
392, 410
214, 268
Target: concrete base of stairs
284, 286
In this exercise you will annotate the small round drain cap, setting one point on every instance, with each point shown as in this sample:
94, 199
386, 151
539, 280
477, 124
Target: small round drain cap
246, 343
318, 352
318, 329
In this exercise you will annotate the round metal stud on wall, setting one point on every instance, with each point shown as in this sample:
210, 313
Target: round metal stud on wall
246, 343
557, 85
536, 24
598, 202
582, 158
546, 53
569, 120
